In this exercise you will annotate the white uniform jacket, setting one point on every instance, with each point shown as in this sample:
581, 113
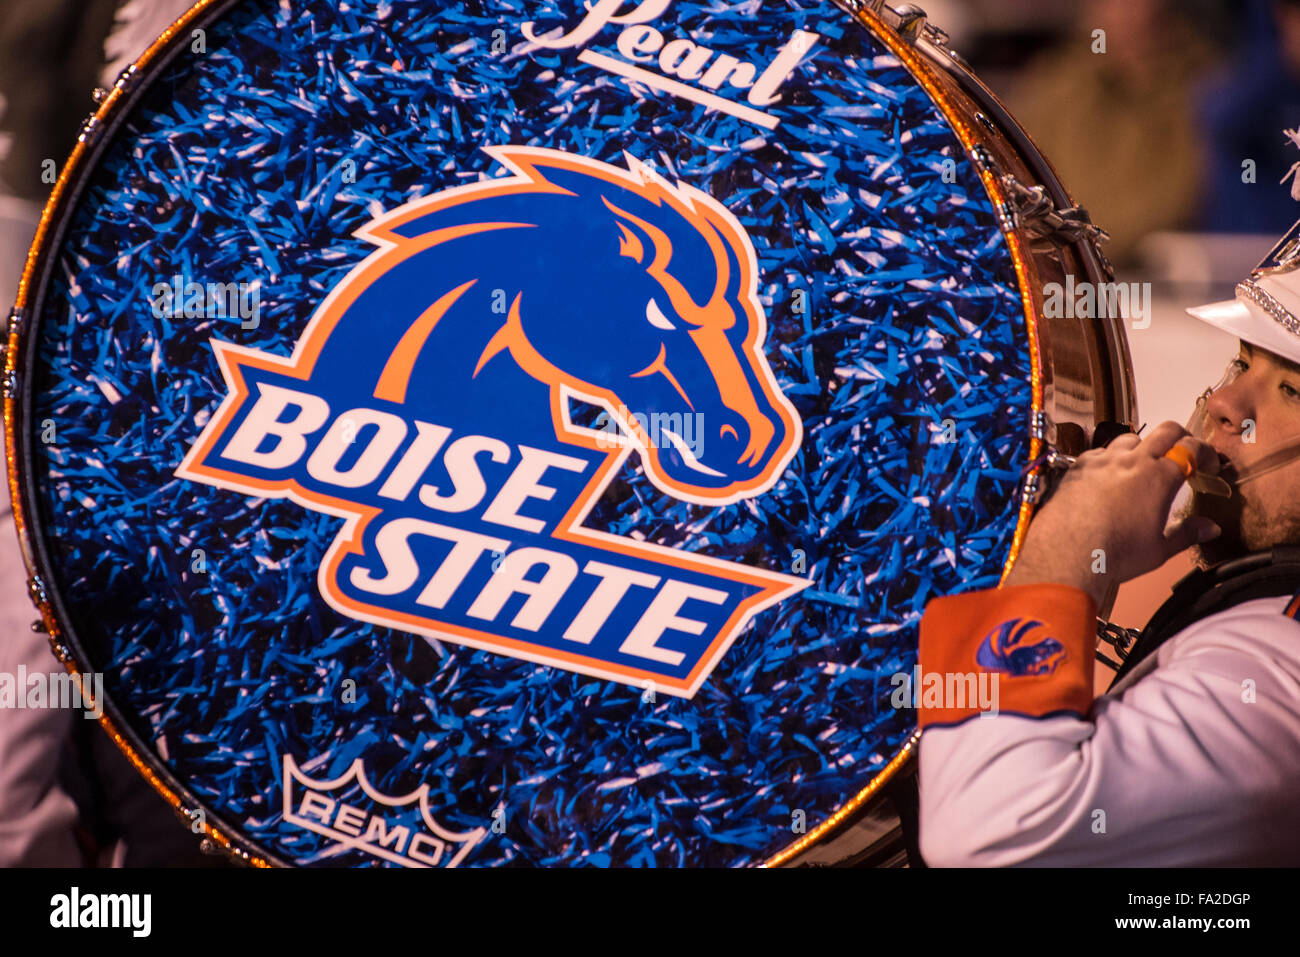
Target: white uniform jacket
1193, 759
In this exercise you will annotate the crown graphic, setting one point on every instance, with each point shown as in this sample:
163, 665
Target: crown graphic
351, 811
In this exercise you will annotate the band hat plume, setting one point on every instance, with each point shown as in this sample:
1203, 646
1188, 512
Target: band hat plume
1294, 171
1266, 311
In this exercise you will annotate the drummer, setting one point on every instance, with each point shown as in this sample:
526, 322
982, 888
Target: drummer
1193, 756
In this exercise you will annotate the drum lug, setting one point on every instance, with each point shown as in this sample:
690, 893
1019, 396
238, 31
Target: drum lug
215, 849
981, 157
89, 128
1008, 220
1058, 460
1007, 215
935, 36
911, 22
125, 79
99, 94
15, 319
1046, 224
1042, 430
1032, 489
10, 384
36, 592
908, 20
1039, 425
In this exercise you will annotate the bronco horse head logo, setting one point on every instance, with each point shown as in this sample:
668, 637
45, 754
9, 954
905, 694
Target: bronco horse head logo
1007, 648
618, 288
460, 348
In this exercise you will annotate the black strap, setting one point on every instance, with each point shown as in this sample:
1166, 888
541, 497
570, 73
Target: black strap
1207, 591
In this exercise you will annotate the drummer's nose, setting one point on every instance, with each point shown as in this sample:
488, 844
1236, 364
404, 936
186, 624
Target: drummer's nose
1231, 411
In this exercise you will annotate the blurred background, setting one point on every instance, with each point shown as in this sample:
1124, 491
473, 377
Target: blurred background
1164, 119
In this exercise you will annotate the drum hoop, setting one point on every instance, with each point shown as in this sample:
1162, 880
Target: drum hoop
62, 200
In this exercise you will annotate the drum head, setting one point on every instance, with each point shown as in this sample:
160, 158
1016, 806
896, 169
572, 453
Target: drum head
460, 440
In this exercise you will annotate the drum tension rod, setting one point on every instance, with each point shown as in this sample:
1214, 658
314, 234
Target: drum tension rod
1047, 224
1050, 458
1053, 460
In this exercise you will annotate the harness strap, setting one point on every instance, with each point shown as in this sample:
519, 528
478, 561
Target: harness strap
1205, 592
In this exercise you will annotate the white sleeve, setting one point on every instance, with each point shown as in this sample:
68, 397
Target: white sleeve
1195, 763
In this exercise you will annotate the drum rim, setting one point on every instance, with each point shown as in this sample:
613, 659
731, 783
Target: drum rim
55, 217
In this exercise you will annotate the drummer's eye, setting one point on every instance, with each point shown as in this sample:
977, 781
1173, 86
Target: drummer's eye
1239, 364
1290, 391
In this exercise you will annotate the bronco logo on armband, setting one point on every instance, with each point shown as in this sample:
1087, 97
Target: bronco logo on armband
1292, 609
430, 404
1006, 649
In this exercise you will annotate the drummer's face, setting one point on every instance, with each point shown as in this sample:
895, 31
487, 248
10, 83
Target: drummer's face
1249, 417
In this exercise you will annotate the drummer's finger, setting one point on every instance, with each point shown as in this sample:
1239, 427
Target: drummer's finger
1191, 456
1124, 442
1207, 459
1162, 438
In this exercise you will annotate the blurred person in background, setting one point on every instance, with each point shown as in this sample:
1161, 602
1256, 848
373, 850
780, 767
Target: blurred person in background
1242, 109
1120, 126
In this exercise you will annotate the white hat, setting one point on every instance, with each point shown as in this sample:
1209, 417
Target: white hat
1266, 312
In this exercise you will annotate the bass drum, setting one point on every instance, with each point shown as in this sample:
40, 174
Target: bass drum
460, 440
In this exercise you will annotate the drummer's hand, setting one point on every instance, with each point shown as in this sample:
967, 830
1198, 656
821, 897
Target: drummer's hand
1105, 522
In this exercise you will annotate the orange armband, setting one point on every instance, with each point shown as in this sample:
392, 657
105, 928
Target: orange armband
1024, 650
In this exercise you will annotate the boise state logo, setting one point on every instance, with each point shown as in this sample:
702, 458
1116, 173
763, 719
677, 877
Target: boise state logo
1005, 649
430, 403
